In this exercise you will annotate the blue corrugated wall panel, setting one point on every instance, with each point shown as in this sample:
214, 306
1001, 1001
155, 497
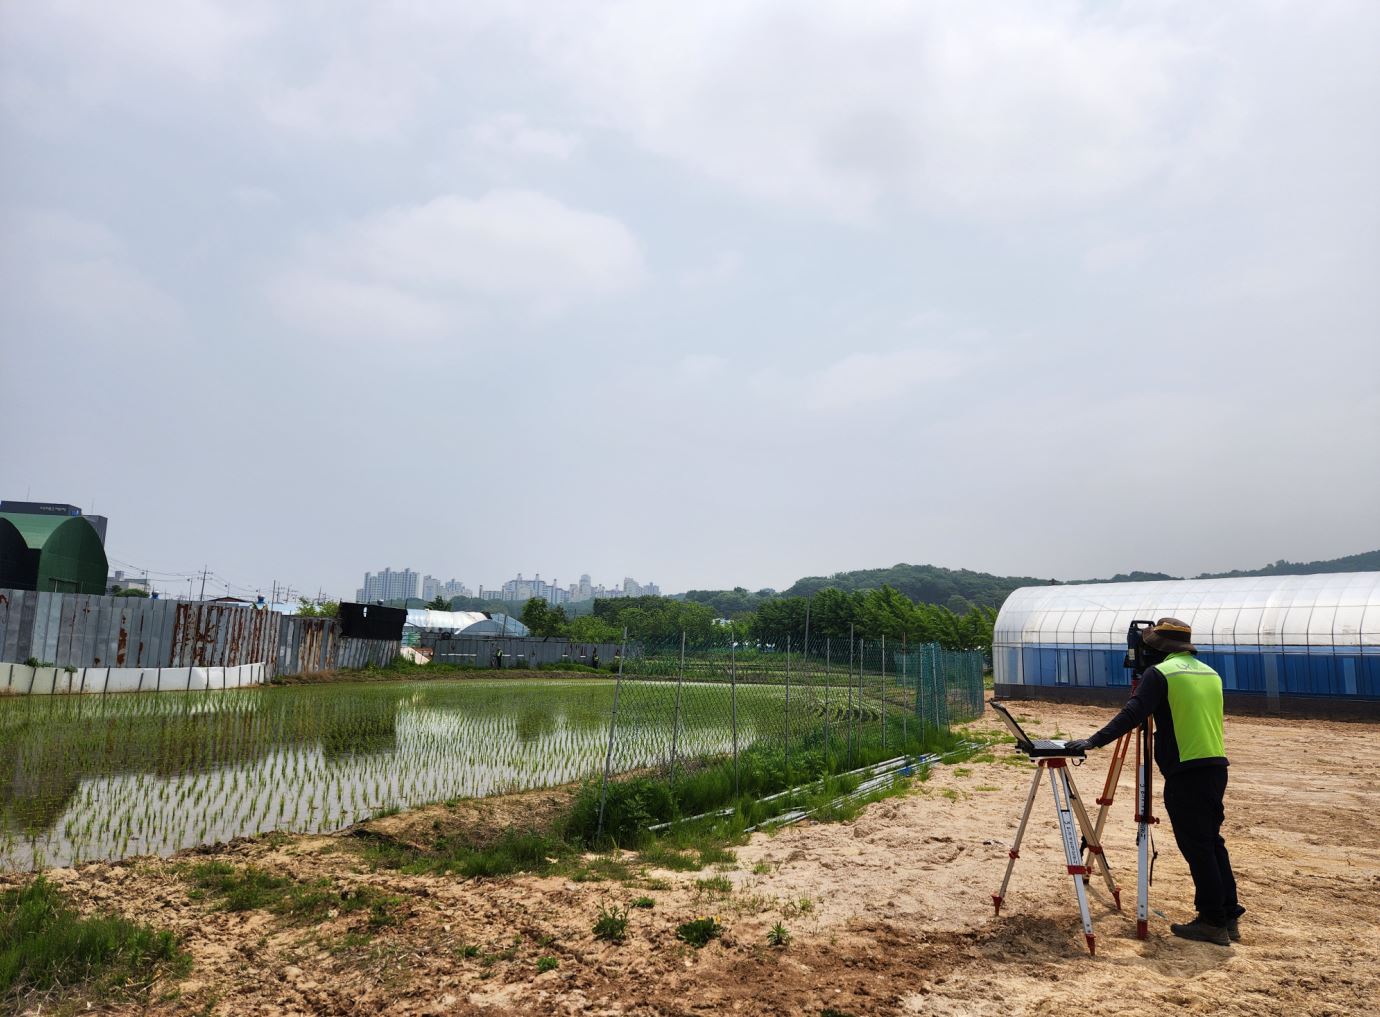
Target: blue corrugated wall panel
1302, 670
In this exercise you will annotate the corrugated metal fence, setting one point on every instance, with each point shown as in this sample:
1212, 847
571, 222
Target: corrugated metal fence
519, 651
306, 645
86, 630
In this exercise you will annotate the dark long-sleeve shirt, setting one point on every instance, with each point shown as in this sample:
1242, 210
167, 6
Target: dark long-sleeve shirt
1152, 697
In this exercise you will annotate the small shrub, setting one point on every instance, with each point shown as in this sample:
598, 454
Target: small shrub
468, 950
699, 931
545, 964
611, 923
643, 902
777, 935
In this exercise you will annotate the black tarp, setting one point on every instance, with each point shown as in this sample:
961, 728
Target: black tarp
370, 621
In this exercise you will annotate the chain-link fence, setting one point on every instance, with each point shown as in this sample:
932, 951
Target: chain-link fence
773, 713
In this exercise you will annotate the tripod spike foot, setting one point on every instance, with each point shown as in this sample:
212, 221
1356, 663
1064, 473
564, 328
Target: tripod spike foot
996, 903
1142, 929
1116, 896
1092, 944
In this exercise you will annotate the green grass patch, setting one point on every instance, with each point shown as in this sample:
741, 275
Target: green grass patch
599, 869
715, 886
632, 805
251, 888
515, 851
642, 902
548, 963
46, 945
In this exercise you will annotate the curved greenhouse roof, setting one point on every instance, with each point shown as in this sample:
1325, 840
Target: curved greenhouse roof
51, 553
1310, 635
465, 623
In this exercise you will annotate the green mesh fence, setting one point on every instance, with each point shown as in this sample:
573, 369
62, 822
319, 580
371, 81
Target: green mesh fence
783, 713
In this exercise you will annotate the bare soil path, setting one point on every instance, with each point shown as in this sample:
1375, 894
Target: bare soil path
888, 914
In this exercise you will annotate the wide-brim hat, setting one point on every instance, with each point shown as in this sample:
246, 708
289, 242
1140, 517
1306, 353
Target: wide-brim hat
1170, 635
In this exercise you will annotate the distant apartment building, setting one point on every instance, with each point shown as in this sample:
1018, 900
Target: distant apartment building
454, 588
389, 585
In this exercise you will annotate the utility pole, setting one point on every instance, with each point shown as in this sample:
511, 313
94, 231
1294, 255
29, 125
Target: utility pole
204, 570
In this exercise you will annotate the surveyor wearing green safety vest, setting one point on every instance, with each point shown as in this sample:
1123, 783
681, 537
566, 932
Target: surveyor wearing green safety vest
1185, 697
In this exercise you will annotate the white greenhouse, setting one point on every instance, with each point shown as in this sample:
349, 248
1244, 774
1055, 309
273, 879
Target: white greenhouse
1316, 636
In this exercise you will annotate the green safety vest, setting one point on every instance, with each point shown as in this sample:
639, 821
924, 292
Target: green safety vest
1195, 702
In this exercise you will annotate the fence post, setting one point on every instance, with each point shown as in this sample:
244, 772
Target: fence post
788, 711
675, 727
613, 726
852, 717
733, 698
905, 720
827, 648
882, 686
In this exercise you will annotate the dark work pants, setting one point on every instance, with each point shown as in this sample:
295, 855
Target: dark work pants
1193, 799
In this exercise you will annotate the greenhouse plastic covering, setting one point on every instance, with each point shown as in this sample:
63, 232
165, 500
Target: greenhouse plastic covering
1294, 635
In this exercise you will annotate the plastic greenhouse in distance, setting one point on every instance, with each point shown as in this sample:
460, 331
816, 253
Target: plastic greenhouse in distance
50, 553
1316, 636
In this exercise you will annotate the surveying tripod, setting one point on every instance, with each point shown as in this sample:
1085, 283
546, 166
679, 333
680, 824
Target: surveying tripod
1145, 799
1145, 817
1069, 807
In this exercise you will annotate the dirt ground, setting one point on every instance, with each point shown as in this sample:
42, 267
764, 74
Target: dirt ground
888, 914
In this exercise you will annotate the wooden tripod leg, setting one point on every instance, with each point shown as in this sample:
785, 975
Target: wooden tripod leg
1015, 851
1104, 804
1092, 840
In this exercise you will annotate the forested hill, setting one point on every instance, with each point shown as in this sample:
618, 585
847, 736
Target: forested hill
1366, 561
926, 584
961, 588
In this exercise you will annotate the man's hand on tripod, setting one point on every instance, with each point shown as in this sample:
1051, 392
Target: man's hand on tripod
1079, 745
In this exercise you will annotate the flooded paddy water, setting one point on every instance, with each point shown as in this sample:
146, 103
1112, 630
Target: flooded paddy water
102, 777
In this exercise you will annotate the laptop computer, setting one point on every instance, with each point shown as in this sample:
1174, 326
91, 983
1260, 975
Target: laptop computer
1035, 748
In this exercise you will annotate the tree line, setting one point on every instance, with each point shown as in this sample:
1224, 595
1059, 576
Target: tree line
829, 613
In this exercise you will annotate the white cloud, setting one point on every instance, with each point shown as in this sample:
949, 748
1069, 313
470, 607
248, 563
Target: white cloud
251, 196
723, 267
869, 379
430, 262
68, 269
333, 306
973, 108
700, 366
510, 134
351, 98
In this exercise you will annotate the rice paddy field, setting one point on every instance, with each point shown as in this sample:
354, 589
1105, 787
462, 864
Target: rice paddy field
105, 777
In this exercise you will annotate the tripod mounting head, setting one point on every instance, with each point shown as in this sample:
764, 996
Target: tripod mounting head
1135, 648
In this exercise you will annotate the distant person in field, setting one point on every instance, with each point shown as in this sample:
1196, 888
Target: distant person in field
1185, 697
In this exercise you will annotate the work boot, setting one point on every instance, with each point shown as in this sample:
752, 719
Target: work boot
1202, 932
1234, 929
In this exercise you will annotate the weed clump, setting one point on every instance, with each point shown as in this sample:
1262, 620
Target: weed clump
46, 944
611, 923
699, 931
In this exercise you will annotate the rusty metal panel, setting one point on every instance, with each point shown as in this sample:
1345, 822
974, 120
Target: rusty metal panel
12, 618
66, 622
91, 628
161, 623
100, 631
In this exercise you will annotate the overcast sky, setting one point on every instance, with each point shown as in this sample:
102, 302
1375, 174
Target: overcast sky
711, 294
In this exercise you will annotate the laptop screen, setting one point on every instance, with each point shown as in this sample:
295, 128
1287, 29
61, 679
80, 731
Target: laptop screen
1021, 737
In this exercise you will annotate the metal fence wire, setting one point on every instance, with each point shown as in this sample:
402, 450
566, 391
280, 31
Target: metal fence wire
801, 708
